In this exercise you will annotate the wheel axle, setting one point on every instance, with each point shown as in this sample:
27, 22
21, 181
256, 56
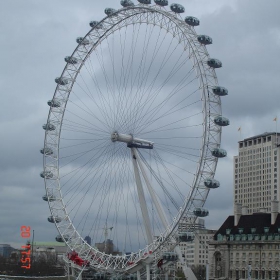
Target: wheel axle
131, 141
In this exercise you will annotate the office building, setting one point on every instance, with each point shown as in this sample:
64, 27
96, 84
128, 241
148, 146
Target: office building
256, 172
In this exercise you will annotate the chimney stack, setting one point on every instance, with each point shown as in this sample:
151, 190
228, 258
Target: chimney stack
274, 211
237, 212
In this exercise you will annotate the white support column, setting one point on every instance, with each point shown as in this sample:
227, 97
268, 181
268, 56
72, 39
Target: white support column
142, 199
166, 275
160, 211
148, 270
138, 275
187, 270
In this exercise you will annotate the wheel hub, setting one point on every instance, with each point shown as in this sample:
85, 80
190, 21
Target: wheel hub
131, 141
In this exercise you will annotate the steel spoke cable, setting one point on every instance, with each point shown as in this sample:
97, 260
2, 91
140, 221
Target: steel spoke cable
102, 153
157, 109
168, 129
91, 97
78, 97
89, 113
153, 111
164, 61
183, 119
89, 67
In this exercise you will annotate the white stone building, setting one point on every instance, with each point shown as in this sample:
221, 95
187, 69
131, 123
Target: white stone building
247, 243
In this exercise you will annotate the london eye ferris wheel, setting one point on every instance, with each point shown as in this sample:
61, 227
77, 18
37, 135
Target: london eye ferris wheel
133, 136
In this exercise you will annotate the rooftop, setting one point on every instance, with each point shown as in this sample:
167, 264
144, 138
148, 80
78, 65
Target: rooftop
259, 221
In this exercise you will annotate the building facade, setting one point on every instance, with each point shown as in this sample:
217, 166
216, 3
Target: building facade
256, 172
196, 251
247, 246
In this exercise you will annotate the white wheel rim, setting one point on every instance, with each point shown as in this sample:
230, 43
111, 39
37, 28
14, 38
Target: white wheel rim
209, 139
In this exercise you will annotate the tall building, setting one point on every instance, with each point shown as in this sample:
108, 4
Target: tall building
256, 172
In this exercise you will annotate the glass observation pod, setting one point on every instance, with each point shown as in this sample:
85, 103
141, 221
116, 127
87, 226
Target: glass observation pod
161, 2
192, 21
127, 3
109, 11
95, 24
52, 219
211, 183
54, 103
170, 256
204, 40
50, 198
62, 81
221, 91
46, 151
221, 121
219, 153
147, 2
214, 63
60, 239
71, 60
177, 8
186, 236
49, 127
201, 212
82, 41
46, 174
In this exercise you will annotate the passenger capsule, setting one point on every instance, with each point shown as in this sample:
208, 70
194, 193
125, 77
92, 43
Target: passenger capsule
221, 121
109, 11
62, 81
96, 24
221, 91
51, 198
192, 21
201, 212
147, 2
161, 2
46, 174
186, 236
127, 3
71, 60
169, 256
60, 239
82, 41
219, 153
54, 103
204, 40
177, 8
211, 183
52, 219
46, 151
49, 127
214, 63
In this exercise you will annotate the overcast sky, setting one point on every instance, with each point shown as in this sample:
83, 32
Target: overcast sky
37, 35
